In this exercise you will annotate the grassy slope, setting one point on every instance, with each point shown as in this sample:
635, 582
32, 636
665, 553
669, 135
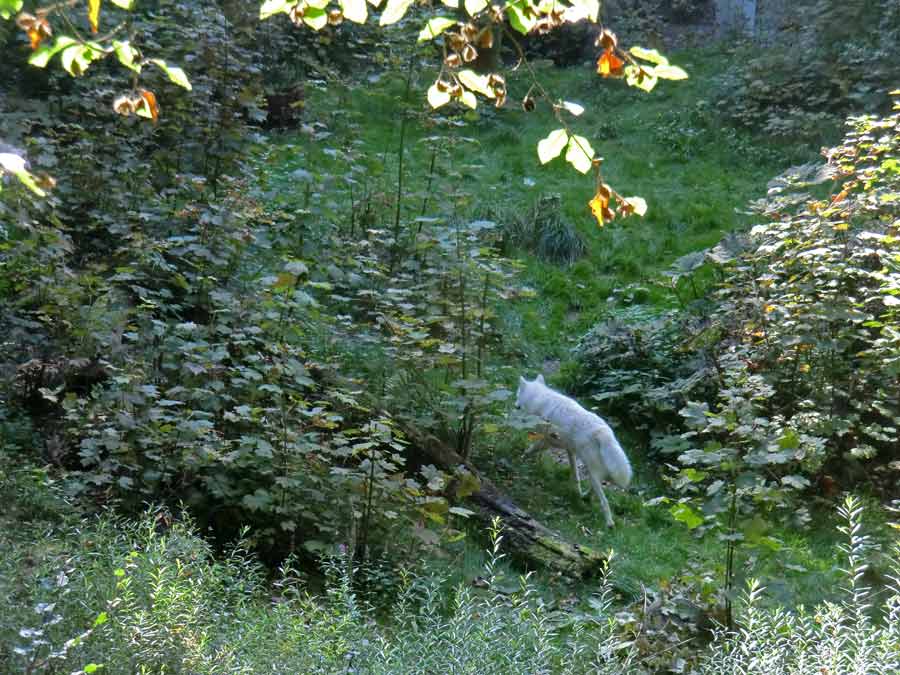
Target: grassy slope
667, 147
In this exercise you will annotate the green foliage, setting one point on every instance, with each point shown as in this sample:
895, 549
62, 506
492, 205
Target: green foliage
154, 599
838, 58
543, 231
833, 637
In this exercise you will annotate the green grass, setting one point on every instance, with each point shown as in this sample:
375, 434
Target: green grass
668, 146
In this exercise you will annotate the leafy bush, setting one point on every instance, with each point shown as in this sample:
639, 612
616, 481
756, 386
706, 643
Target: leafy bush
838, 56
544, 232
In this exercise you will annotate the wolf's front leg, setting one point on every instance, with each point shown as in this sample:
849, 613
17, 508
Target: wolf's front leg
573, 462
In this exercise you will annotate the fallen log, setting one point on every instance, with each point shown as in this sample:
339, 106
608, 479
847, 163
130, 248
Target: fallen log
524, 538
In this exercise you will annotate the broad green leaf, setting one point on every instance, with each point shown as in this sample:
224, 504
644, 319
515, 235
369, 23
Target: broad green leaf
9, 7
641, 78
42, 55
472, 80
639, 204
650, 55
475, 6
394, 11
92, 668
355, 10
174, 73
452, 4
435, 27
685, 514
580, 153
126, 54
518, 18
550, 147
78, 57
667, 72
436, 97
101, 619
315, 18
124, 4
318, 4
272, 7
468, 99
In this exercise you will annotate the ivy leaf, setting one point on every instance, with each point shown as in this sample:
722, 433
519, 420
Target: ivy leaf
175, 73
394, 11
435, 27
550, 147
355, 10
580, 154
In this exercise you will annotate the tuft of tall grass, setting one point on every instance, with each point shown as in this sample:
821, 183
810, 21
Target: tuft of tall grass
850, 637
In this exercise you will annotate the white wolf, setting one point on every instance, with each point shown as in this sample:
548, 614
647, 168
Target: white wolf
581, 433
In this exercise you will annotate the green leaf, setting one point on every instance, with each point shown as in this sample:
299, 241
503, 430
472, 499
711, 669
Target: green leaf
468, 99
685, 514
475, 6
667, 72
174, 73
435, 27
394, 11
272, 7
42, 55
641, 78
436, 97
355, 10
315, 18
126, 55
124, 4
475, 82
92, 667
78, 57
519, 19
589, 8
550, 147
580, 154
101, 619
639, 204
650, 55
15, 165
9, 7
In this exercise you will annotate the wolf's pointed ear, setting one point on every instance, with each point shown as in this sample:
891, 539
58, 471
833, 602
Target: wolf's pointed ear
540, 378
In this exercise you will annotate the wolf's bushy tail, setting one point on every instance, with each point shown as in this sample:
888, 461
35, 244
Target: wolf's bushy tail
616, 462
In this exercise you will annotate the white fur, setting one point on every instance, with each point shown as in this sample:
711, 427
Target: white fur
581, 433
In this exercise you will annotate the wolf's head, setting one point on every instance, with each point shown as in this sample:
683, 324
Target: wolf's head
522, 395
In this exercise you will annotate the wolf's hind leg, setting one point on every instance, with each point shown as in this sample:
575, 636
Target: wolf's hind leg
598, 489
